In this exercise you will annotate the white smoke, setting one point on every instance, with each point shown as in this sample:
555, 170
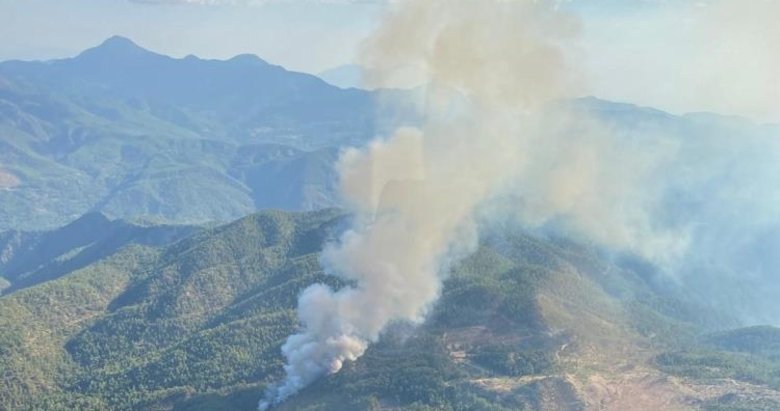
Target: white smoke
415, 193
494, 130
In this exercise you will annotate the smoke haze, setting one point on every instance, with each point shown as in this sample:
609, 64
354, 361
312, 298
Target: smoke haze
498, 140
708, 55
415, 193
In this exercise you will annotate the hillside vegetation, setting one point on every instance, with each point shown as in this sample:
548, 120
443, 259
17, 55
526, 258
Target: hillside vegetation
29, 258
526, 322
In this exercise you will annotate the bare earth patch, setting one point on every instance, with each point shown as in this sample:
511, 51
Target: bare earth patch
637, 390
649, 389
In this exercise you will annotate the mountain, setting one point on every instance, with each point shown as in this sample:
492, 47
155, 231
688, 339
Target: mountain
128, 132
242, 99
220, 297
28, 258
528, 322
135, 134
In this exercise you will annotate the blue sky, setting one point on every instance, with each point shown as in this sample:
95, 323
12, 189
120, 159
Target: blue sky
698, 55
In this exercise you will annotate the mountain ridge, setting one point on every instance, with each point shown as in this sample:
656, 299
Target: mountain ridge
525, 323
189, 140
30, 258
129, 132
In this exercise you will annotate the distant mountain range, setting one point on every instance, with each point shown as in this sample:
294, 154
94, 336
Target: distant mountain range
137, 135
128, 132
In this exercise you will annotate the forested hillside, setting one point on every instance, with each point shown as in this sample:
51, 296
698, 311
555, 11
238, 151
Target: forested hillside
31, 257
526, 322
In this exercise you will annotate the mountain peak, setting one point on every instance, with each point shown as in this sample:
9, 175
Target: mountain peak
92, 218
119, 41
115, 47
248, 58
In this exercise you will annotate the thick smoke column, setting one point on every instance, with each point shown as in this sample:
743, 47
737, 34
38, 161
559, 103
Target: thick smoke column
490, 63
698, 199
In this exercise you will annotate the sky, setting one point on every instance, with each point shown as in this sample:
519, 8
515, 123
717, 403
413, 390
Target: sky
708, 55
304, 35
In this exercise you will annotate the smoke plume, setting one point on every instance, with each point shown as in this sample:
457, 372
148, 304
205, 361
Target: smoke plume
490, 64
500, 137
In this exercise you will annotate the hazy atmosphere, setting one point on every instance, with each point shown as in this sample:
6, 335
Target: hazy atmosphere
389, 205
701, 55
